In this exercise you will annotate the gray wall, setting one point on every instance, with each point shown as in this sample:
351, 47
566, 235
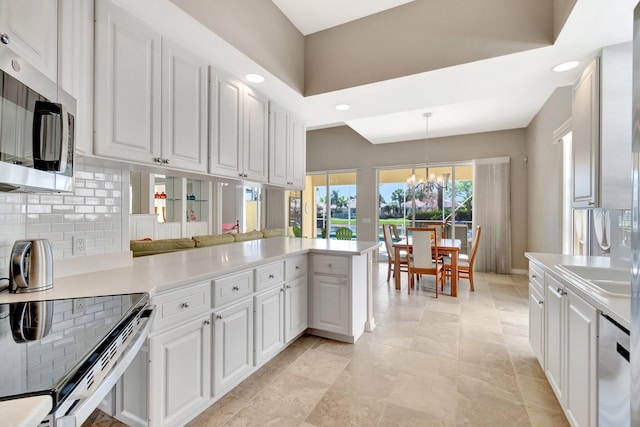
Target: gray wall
544, 200
341, 148
258, 29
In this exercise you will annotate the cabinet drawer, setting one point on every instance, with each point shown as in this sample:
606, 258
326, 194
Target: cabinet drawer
295, 267
536, 277
331, 265
231, 288
269, 276
182, 304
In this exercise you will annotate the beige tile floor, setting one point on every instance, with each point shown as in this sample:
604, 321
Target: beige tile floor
462, 361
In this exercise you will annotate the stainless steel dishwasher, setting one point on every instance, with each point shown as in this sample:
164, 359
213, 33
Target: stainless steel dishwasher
614, 408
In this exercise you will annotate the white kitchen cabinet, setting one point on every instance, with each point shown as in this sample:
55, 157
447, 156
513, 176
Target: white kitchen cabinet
179, 372
571, 352
269, 324
287, 145
150, 95
184, 108
131, 391
586, 136
296, 303
239, 129
330, 304
232, 345
127, 115
31, 31
536, 312
338, 296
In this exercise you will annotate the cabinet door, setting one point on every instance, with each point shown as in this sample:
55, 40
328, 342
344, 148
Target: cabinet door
255, 136
32, 30
297, 153
536, 324
296, 308
581, 361
233, 345
554, 336
226, 125
269, 328
184, 108
127, 87
331, 304
278, 144
131, 391
586, 137
179, 372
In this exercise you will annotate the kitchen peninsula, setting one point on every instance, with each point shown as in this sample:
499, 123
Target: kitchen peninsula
223, 311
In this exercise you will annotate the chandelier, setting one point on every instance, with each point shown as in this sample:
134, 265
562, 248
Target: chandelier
432, 183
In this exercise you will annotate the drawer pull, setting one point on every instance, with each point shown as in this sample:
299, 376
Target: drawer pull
207, 322
271, 276
218, 316
185, 305
329, 265
540, 302
236, 288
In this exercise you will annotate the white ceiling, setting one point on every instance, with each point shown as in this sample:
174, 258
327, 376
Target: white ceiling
494, 94
310, 16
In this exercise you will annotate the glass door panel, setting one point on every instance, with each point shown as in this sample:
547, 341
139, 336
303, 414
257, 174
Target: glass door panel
394, 199
342, 191
319, 189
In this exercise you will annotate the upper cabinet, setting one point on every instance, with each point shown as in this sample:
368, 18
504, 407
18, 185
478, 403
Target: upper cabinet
287, 144
586, 138
29, 28
602, 131
150, 95
238, 129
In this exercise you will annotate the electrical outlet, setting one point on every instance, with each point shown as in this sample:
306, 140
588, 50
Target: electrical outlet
79, 246
78, 305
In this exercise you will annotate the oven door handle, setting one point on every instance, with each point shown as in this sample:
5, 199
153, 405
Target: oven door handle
84, 406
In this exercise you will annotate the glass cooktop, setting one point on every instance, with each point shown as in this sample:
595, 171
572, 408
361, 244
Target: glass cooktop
44, 345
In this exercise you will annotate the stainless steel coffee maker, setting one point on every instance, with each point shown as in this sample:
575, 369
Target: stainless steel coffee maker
31, 266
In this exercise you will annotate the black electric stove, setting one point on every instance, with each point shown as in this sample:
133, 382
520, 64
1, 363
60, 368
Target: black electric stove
48, 347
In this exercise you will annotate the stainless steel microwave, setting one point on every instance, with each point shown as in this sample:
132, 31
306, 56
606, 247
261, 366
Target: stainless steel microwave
36, 129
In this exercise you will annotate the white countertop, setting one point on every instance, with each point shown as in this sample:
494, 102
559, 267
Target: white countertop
618, 307
158, 273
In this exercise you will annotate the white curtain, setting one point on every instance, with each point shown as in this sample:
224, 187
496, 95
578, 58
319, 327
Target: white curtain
491, 211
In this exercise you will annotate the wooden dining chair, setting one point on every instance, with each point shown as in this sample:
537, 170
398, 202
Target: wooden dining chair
394, 232
465, 269
424, 257
391, 252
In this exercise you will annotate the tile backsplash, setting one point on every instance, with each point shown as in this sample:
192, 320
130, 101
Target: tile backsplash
97, 210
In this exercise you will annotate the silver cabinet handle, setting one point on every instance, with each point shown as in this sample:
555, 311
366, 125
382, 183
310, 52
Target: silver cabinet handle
329, 265
297, 267
540, 302
4, 38
288, 287
185, 305
591, 203
533, 276
281, 289
218, 316
165, 161
271, 276
236, 288
207, 322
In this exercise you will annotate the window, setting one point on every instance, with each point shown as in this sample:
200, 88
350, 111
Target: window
335, 201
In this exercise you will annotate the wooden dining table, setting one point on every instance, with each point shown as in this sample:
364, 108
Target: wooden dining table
449, 247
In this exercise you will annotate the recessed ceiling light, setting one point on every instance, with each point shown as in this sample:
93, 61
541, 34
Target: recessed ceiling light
342, 107
565, 66
254, 78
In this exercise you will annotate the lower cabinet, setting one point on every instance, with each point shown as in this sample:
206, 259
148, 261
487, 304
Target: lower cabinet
330, 304
179, 372
269, 324
571, 328
232, 345
296, 302
536, 312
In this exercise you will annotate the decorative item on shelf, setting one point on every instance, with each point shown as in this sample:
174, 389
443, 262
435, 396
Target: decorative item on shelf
191, 197
237, 226
156, 196
191, 216
163, 195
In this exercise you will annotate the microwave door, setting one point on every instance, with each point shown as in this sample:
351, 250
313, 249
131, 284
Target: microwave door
50, 136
